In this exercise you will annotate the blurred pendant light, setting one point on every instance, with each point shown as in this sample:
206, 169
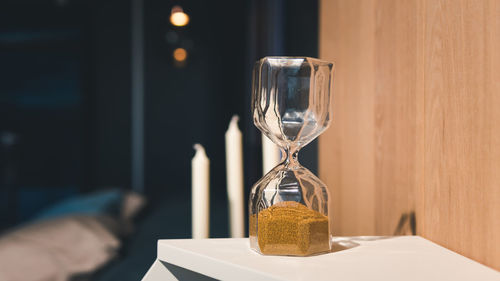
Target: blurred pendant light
180, 54
178, 17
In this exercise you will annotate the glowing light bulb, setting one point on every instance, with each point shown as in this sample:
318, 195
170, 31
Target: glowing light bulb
180, 54
178, 17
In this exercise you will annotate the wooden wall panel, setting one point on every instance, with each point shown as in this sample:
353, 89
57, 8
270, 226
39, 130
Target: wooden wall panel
417, 122
347, 158
370, 154
462, 152
396, 122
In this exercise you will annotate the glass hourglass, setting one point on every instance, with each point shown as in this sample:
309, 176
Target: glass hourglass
291, 105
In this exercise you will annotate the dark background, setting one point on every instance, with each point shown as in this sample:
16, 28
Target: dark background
65, 98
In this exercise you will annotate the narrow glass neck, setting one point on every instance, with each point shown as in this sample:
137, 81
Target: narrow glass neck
290, 157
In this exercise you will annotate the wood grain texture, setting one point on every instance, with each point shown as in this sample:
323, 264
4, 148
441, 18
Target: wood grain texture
417, 120
370, 154
462, 153
347, 158
396, 105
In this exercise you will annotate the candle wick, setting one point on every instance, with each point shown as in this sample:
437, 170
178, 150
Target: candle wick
234, 121
198, 147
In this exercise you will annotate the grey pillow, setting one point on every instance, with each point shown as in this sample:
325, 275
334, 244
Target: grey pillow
54, 250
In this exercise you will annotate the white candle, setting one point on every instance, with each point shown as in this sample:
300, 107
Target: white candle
234, 175
270, 154
200, 196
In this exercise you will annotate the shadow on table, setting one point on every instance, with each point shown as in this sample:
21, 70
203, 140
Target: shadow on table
345, 243
181, 273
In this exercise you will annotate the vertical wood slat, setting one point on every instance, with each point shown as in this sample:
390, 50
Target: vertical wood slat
370, 154
396, 105
462, 152
346, 158
417, 125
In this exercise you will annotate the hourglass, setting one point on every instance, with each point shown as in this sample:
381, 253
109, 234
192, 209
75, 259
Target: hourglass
292, 105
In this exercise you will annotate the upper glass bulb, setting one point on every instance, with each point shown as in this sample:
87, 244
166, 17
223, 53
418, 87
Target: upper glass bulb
291, 99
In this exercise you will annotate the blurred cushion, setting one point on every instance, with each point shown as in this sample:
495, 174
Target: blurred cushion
57, 249
131, 205
108, 202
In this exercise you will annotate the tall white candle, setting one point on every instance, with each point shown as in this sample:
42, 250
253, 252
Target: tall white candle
270, 155
234, 175
200, 196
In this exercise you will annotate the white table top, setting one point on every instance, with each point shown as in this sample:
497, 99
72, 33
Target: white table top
362, 258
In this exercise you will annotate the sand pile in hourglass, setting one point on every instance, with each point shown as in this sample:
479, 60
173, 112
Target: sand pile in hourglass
291, 228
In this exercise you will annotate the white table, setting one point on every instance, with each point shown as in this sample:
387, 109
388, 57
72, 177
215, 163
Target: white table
354, 258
